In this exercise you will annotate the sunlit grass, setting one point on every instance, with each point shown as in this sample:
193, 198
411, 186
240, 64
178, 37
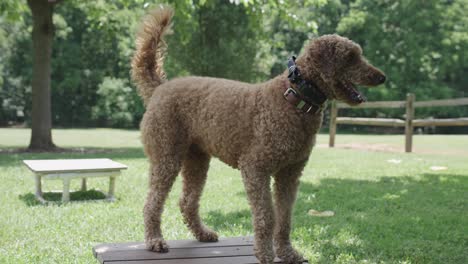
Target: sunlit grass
92, 137
384, 212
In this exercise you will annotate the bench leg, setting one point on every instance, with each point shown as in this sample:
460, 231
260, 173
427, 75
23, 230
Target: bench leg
83, 184
38, 186
38, 179
110, 195
66, 190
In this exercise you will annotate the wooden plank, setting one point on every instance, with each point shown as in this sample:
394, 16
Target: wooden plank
223, 242
237, 250
227, 260
370, 121
443, 102
333, 115
73, 165
177, 253
441, 122
409, 122
377, 104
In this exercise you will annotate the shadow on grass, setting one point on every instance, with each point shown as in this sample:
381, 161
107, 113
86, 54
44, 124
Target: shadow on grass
56, 197
15, 159
391, 220
220, 221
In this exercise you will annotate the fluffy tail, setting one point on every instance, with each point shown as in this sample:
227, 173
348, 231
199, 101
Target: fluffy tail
147, 62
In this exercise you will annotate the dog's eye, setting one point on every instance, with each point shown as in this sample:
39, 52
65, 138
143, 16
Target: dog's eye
352, 58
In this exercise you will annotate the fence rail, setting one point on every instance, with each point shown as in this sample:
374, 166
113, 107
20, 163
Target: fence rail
379, 104
409, 122
393, 122
441, 122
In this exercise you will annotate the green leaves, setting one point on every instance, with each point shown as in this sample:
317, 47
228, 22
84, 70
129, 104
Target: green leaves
354, 21
118, 104
12, 10
413, 42
421, 45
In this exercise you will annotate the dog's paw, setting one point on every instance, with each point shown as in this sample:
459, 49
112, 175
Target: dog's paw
157, 245
265, 259
207, 235
289, 255
265, 254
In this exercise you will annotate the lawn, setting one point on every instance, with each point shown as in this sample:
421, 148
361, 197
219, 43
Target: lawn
389, 207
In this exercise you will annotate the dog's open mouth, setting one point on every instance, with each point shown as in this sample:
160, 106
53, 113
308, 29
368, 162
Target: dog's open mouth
352, 93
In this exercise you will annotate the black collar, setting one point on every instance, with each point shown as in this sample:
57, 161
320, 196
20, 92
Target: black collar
305, 90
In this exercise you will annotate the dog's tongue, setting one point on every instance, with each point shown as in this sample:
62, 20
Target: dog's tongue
359, 97
355, 95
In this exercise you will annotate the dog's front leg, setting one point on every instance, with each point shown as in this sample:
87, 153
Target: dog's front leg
286, 185
257, 185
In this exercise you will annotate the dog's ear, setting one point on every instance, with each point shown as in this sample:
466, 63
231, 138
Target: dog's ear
335, 53
349, 54
349, 57
321, 53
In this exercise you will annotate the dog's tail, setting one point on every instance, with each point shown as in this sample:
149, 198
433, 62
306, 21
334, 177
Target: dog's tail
147, 62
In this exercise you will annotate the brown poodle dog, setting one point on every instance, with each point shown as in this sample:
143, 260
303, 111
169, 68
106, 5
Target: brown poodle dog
250, 127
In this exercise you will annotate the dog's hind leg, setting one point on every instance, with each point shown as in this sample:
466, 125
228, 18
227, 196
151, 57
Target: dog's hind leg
194, 172
286, 185
163, 173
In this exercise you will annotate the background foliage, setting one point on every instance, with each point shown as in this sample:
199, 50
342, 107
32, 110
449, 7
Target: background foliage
421, 45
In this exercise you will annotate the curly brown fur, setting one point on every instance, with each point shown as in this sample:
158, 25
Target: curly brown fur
248, 126
147, 63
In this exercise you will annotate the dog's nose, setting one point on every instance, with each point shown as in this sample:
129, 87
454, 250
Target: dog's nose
381, 79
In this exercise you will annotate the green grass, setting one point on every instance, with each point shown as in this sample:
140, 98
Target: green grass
385, 212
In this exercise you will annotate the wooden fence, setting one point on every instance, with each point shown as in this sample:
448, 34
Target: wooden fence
409, 122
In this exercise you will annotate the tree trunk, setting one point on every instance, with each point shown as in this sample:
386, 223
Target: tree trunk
42, 38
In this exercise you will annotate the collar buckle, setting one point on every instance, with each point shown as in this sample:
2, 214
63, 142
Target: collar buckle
290, 90
310, 108
319, 108
300, 103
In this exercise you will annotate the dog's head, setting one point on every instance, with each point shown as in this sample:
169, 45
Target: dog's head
339, 64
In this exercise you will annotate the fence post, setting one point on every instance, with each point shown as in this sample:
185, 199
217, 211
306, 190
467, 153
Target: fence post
409, 122
333, 115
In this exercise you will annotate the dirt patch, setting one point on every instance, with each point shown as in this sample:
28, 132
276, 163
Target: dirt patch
378, 147
366, 146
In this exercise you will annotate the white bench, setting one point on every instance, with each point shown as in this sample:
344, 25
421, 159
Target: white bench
68, 169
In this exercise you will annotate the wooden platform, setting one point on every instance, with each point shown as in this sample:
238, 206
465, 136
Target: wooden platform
237, 250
